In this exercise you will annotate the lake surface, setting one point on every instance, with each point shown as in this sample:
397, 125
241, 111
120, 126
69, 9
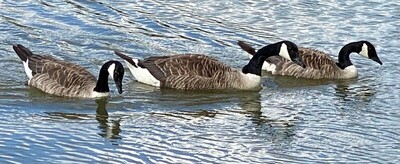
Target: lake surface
288, 121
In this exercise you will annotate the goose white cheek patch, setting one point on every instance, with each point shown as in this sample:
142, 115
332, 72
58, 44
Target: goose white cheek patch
111, 70
364, 51
284, 52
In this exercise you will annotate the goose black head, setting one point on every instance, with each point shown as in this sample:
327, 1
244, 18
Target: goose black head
289, 50
286, 49
366, 49
116, 70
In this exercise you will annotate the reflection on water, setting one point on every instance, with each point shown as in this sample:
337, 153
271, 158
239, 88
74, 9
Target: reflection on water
293, 82
250, 102
350, 96
107, 131
345, 92
275, 130
196, 103
71, 116
109, 127
187, 115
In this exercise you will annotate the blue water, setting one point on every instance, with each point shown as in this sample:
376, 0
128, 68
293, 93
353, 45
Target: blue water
288, 121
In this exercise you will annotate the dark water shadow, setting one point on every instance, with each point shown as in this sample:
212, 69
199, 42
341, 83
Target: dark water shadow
293, 82
348, 91
189, 104
249, 103
109, 128
278, 131
351, 95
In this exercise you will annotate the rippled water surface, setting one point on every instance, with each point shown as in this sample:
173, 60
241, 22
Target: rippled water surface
289, 120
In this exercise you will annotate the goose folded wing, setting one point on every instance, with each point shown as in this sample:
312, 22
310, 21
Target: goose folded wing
194, 81
66, 75
316, 59
41, 64
162, 67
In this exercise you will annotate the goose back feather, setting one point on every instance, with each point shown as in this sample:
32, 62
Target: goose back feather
165, 66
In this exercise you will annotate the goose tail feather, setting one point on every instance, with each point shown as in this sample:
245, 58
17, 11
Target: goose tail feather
22, 52
126, 58
246, 47
138, 71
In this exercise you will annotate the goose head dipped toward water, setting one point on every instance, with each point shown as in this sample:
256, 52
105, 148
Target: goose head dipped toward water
61, 78
116, 71
195, 71
363, 48
319, 64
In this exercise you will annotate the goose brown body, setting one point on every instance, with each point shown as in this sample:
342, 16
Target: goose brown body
319, 65
61, 78
194, 71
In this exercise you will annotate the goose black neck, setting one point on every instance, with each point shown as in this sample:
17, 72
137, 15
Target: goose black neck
102, 82
256, 62
344, 55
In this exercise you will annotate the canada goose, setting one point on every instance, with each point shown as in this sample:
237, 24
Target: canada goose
195, 71
66, 79
319, 64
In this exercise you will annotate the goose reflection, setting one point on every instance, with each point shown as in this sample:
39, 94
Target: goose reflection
250, 103
110, 131
213, 105
347, 92
293, 82
272, 129
197, 104
350, 96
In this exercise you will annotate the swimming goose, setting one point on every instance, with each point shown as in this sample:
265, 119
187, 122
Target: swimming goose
319, 64
66, 79
195, 71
